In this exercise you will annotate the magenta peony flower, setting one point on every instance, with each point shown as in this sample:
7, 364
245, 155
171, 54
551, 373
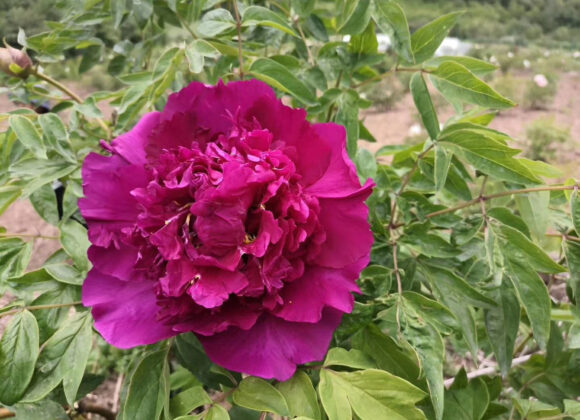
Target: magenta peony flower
229, 215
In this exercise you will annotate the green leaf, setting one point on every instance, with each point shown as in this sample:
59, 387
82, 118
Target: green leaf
196, 53
28, 135
258, 15
442, 164
354, 17
303, 8
534, 210
215, 22
572, 250
485, 150
424, 105
457, 83
347, 116
467, 402
575, 210
426, 40
517, 246
55, 134
18, 353
14, 257
300, 396
474, 65
533, 409
63, 358
394, 16
75, 241
148, 388
259, 395
533, 294
386, 353
281, 78
372, 394
353, 358
432, 311
45, 409
188, 400
364, 43
502, 324
217, 412
89, 108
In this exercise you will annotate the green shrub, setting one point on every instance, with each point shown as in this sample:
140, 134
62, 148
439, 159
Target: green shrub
545, 137
538, 95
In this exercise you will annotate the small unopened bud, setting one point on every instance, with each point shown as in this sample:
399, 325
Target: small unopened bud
15, 62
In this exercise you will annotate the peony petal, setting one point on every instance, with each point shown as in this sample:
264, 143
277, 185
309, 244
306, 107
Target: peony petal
108, 205
320, 287
214, 286
340, 178
348, 233
214, 107
116, 262
124, 312
272, 348
295, 136
133, 145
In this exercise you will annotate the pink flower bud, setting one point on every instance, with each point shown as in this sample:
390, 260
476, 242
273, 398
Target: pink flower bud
15, 62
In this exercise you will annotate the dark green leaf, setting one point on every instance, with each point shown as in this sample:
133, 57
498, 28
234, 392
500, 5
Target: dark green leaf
18, 353
281, 78
467, 402
353, 358
354, 16
148, 388
259, 395
474, 65
424, 105
426, 40
188, 400
14, 257
258, 15
75, 241
572, 250
575, 209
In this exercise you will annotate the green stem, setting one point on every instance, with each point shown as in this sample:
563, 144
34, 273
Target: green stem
239, 26
71, 94
499, 195
39, 307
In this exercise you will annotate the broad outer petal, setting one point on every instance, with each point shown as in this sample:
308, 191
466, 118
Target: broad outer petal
320, 287
273, 347
348, 232
340, 178
124, 311
117, 262
132, 145
108, 205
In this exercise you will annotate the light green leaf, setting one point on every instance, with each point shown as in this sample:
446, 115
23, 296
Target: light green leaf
196, 53
394, 16
14, 257
259, 395
457, 83
75, 241
533, 409
575, 210
217, 412
63, 358
188, 400
278, 76
486, 150
424, 105
258, 15
347, 116
442, 164
517, 246
354, 16
533, 294
372, 394
353, 358
474, 65
215, 22
502, 324
427, 39
28, 135
300, 396
148, 388
18, 353
534, 210
55, 134
432, 311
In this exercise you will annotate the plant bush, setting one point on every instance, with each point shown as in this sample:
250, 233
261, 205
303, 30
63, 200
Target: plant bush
539, 94
545, 137
470, 242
